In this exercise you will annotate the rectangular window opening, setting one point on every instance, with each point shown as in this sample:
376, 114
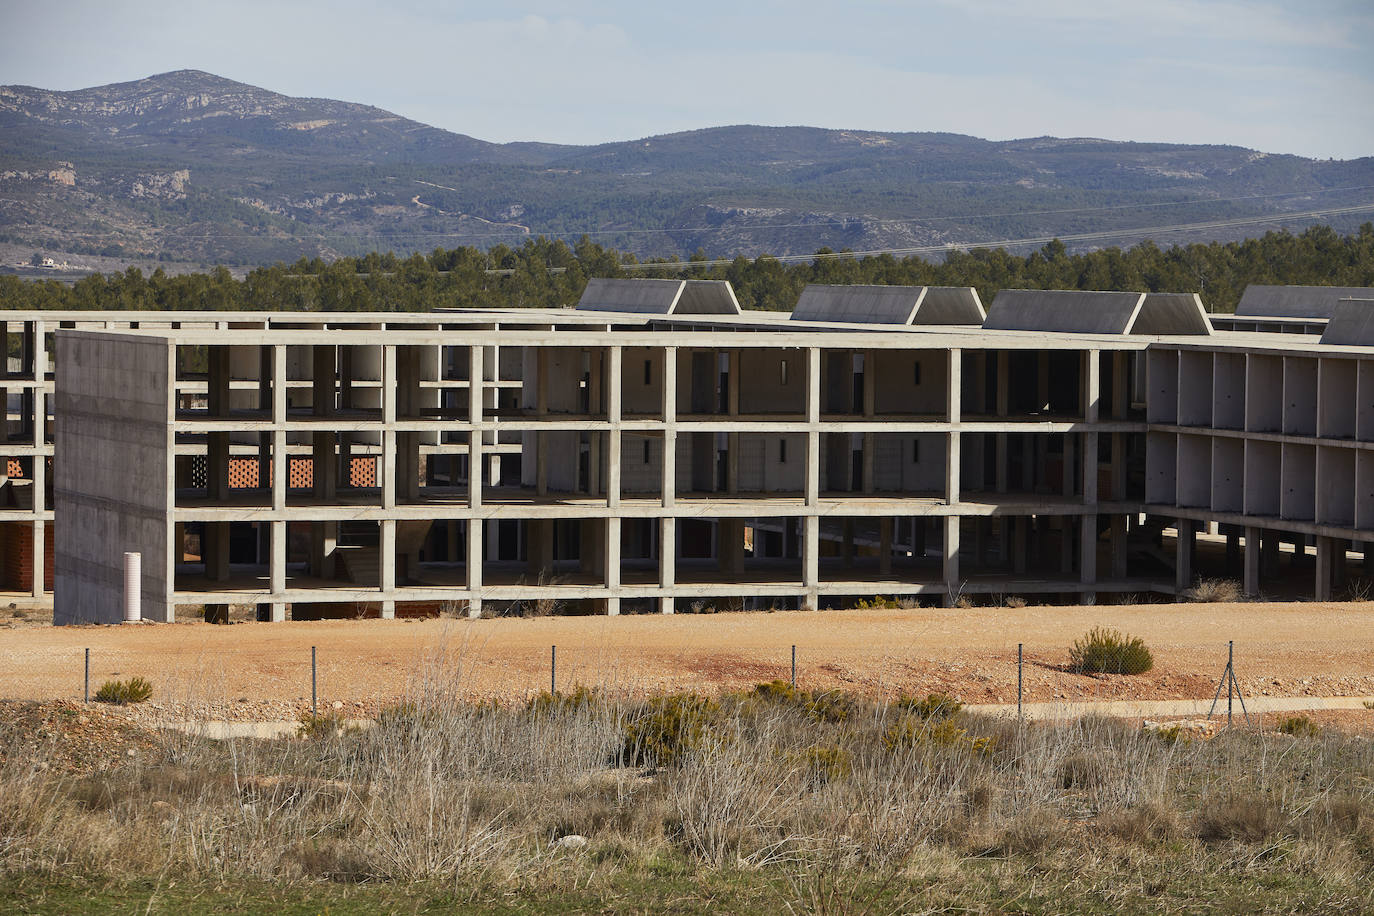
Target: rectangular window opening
784, 372
916, 373
782, 451
915, 451
646, 451
648, 372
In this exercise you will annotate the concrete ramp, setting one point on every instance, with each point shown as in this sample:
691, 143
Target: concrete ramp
1351, 324
1296, 301
659, 297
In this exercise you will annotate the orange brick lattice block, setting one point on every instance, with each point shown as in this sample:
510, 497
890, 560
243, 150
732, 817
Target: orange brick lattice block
243, 473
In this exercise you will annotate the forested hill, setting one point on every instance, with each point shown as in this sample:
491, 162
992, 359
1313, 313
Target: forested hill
191, 167
544, 273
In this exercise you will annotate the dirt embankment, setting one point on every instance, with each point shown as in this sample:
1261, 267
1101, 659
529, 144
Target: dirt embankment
263, 670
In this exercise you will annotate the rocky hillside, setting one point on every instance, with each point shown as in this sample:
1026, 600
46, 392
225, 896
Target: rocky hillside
188, 166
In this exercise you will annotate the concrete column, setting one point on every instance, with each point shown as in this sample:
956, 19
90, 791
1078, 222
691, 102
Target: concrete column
613, 391
324, 541
668, 481
474, 566
1092, 394
596, 404
39, 534
217, 382
541, 409
280, 462
1324, 564
1087, 558
730, 546
1183, 559
1003, 396
667, 561
277, 569
951, 559
611, 566
953, 457
475, 389
322, 381
811, 560
386, 466
813, 419
1252, 561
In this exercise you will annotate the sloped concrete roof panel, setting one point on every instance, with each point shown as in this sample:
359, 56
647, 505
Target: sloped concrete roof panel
708, 297
1171, 313
637, 296
1296, 301
1351, 324
950, 305
858, 304
1063, 311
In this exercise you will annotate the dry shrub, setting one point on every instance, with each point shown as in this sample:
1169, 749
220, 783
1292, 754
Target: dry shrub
1215, 591
667, 728
1015, 601
1246, 818
122, 693
1298, 726
1144, 824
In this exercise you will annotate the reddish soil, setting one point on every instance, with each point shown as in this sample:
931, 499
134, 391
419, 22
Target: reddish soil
257, 671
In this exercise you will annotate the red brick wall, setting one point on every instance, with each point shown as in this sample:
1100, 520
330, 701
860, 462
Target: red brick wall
16, 556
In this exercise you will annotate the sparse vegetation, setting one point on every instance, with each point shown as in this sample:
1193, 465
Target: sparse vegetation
1298, 726
123, 693
753, 805
1107, 651
1215, 590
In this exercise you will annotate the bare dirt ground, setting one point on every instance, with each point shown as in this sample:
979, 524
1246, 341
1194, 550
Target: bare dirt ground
262, 671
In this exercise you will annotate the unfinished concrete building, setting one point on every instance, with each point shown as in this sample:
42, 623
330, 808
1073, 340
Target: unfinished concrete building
657, 447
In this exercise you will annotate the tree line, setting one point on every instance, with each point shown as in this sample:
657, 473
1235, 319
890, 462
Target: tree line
545, 273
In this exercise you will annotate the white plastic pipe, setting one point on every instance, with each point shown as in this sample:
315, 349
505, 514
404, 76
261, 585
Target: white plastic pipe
133, 587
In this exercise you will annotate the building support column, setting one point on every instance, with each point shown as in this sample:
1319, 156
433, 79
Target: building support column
811, 562
474, 566
1252, 562
951, 560
1183, 553
1087, 559
885, 546
667, 558
1324, 568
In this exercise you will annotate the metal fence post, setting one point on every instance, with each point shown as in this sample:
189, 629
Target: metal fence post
314, 686
794, 667
88, 676
553, 669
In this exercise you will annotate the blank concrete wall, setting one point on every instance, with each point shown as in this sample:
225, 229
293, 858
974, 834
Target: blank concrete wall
1161, 368
638, 396
1364, 489
1194, 472
1263, 393
1335, 483
1299, 395
1364, 406
114, 412
772, 463
1297, 501
909, 463
1161, 468
896, 388
1336, 398
765, 387
1228, 391
1263, 477
1194, 388
1228, 474
641, 463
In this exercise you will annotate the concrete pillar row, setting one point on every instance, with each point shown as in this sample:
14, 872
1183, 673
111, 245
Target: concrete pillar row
1183, 553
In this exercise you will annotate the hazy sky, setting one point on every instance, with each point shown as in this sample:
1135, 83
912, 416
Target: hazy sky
1291, 76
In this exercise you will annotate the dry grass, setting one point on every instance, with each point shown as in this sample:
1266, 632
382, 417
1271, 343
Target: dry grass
472, 798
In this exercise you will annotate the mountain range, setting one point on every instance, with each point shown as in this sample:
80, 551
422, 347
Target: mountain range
189, 166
